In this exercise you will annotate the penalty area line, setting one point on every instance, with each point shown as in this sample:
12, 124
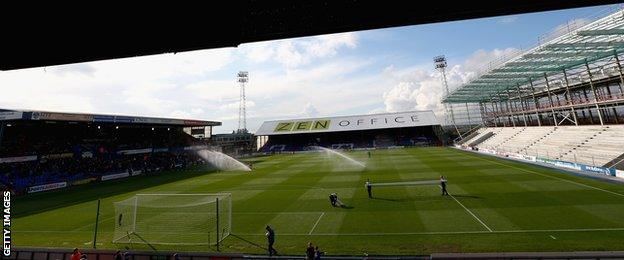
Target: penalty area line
317, 221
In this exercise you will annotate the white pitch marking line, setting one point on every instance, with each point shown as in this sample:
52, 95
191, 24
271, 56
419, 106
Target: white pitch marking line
553, 237
446, 232
378, 234
552, 177
317, 221
475, 216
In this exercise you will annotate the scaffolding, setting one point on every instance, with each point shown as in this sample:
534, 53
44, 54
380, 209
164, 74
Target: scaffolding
571, 77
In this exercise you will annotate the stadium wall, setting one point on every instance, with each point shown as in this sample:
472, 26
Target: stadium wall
558, 164
47, 253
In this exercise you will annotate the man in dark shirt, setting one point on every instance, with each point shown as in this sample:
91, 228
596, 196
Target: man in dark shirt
310, 252
271, 239
443, 185
369, 188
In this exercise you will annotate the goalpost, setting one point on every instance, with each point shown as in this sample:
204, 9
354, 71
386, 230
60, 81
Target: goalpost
173, 219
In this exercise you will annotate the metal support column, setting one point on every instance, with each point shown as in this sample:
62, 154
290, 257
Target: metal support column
550, 100
468, 113
494, 112
591, 84
482, 110
513, 122
522, 107
514, 107
498, 110
539, 119
568, 96
619, 66
615, 115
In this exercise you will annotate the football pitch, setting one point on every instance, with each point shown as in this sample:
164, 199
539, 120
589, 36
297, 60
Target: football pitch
495, 205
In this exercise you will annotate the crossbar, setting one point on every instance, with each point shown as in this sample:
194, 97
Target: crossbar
407, 183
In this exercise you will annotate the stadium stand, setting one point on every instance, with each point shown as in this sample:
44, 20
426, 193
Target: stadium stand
69, 148
370, 131
365, 139
558, 102
591, 145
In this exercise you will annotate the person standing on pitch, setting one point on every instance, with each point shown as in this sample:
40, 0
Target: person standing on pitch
271, 239
443, 185
369, 154
369, 188
310, 252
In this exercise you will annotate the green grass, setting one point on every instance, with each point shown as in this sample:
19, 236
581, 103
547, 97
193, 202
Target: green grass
527, 208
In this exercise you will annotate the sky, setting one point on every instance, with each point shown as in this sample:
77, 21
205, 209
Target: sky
363, 72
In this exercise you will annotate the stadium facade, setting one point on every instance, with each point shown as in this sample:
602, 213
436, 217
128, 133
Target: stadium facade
415, 128
41, 150
560, 102
238, 143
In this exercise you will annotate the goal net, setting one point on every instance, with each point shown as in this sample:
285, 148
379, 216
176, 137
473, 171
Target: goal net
173, 219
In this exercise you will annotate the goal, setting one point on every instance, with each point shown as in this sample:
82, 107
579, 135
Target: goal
173, 219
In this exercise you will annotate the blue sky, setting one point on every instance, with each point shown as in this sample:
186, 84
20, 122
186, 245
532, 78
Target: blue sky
383, 70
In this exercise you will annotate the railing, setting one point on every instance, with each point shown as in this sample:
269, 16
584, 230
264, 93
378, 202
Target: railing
467, 133
561, 104
65, 254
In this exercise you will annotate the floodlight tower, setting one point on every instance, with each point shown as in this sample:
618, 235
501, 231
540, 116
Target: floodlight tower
243, 78
440, 64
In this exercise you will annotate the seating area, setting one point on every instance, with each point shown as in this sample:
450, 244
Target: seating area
501, 136
530, 135
563, 139
590, 144
599, 149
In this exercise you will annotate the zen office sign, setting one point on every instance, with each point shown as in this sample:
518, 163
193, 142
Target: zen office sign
302, 126
348, 123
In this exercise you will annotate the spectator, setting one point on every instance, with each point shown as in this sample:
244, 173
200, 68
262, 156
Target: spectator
310, 252
318, 254
76, 255
127, 255
118, 255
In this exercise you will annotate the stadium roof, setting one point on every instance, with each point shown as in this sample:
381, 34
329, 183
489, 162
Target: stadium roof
6, 115
348, 123
147, 29
569, 49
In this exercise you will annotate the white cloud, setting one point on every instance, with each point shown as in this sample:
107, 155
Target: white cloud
481, 59
135, 86
416, 88
258, 52
292, 53
309, 110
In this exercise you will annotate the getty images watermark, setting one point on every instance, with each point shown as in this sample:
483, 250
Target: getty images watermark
6, 224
